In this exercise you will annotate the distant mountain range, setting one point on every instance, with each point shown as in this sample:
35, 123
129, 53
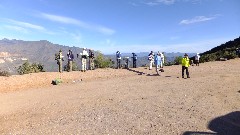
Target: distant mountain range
14, 53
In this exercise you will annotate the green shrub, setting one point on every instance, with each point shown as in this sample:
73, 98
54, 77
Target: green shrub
57, 81
178, 60
27, 68
102, 62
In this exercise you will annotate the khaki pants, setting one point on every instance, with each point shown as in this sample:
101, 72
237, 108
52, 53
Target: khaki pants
91, 64
60, 66
69, 66
157, 68
151, 64
84, 64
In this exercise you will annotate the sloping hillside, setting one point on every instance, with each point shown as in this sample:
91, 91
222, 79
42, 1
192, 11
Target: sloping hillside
15, 52
227, 50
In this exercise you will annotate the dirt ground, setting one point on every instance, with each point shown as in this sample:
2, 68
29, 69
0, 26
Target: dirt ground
135, 101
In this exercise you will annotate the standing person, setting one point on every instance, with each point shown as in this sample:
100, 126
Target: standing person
197, 58
91, 60
151, 59
126, 62
185, 65
134, 60
163, 58
84, 56
59, 58
157, 61
118, 56
162, 61
70, 60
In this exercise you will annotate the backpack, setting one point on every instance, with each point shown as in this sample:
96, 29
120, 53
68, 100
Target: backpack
135, 57
118, 55
91, 55
56, 56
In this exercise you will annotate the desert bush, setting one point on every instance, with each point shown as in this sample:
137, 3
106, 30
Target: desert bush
57, 81
102, 62
4, 73
178, 60
27, 68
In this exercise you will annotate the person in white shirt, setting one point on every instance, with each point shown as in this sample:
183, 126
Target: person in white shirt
197, 58
151, 59
84, 56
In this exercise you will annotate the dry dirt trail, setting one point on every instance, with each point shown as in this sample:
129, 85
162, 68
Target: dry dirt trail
124, 102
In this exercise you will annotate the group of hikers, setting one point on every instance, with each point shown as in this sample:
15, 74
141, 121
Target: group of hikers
126, 59
84, 55
157, 60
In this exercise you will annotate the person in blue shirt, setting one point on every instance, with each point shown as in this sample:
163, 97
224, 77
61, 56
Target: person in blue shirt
70, 60
157, 61
118, 56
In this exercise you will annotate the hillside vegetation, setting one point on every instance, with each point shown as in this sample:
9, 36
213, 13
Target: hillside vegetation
227, 50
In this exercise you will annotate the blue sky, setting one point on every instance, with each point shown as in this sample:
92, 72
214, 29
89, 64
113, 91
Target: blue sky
124, 25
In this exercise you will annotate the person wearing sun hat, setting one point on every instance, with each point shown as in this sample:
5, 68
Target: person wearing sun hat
185, 65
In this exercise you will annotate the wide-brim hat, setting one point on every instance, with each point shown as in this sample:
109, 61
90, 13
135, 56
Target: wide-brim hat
185, 54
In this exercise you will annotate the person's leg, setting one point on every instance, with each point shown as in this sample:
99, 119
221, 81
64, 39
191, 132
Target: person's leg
70, 66
118, 62
157, 69
82, 64
187, 72
150, 65
85, 64
60, 66
92, 64
183, 68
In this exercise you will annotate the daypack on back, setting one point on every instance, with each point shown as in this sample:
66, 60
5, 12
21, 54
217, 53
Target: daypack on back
56, 56
118, 55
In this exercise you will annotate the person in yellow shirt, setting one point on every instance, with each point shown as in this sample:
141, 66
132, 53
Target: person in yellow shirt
185, 65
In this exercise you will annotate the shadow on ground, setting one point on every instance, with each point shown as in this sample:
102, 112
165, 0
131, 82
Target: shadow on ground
135, 71
228, 124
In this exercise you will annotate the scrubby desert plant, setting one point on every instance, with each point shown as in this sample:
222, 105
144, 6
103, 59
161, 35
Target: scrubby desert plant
4, 73
27, 68
178, 60
102, 62
57, 81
